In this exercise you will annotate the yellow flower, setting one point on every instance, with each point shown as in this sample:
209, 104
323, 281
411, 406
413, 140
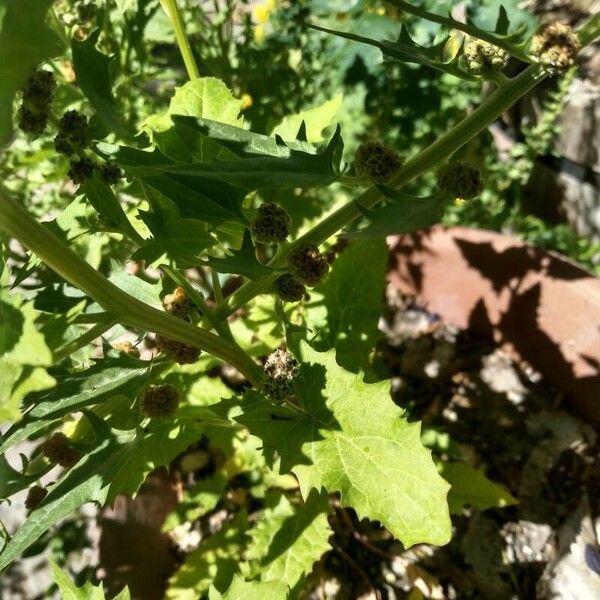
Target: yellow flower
261, 15
247, 101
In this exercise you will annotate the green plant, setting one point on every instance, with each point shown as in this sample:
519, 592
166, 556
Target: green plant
192, 177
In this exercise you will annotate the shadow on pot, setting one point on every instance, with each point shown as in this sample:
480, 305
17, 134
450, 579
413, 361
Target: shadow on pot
538, 306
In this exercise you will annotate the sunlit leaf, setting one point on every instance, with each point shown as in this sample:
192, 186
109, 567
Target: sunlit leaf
352, 439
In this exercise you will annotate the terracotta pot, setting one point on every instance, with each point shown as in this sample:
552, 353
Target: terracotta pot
541, 308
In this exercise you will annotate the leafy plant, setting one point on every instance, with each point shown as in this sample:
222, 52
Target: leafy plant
223, 227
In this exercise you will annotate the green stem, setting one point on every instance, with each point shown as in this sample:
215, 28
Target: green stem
84, 339
429, 158
18, 223
172, 10
198, 299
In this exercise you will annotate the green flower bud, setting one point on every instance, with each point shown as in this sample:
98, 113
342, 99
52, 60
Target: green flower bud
279, 373
81, 169
58, 451
460, 180
177, 303
308, 264
110, 172
377, 162
159, 401
289, 289
72, 133
272, 223
556, 47
181, 353
35, 495
482, 57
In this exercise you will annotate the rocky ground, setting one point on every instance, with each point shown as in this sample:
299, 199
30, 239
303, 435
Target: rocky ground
491, 415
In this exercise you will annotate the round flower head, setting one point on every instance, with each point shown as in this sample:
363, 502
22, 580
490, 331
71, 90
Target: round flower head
272, 223
80, 170
308, 264
377, 162
57, 449
35, 495
181, 353
72, 133
86, 12
39, 88
35, 104
127, 348
110, 172
159, 401
460, 180
482, 57
556, 47
280, 371
289, 289
177, 303
32, 122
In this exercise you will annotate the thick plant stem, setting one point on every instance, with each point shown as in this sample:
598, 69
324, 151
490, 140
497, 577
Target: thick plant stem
432, 156
172, 10
17, 222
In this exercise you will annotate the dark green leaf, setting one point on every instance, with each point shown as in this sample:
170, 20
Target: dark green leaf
108, 377
182, 240
26, 40
242, 261
403, 214
92, 69
103, 199
208, 200
254, 171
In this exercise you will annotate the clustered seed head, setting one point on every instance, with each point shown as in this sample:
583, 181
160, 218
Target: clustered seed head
308, 264
376, 161
127, 348
482, 57
556, 46
110, 172
272, 223
460, 180
289, 289
181, 353
279, 374
159, 401
72, 133
35, 105
177, 303
35, 495
58, 450
86, 12
80, 169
